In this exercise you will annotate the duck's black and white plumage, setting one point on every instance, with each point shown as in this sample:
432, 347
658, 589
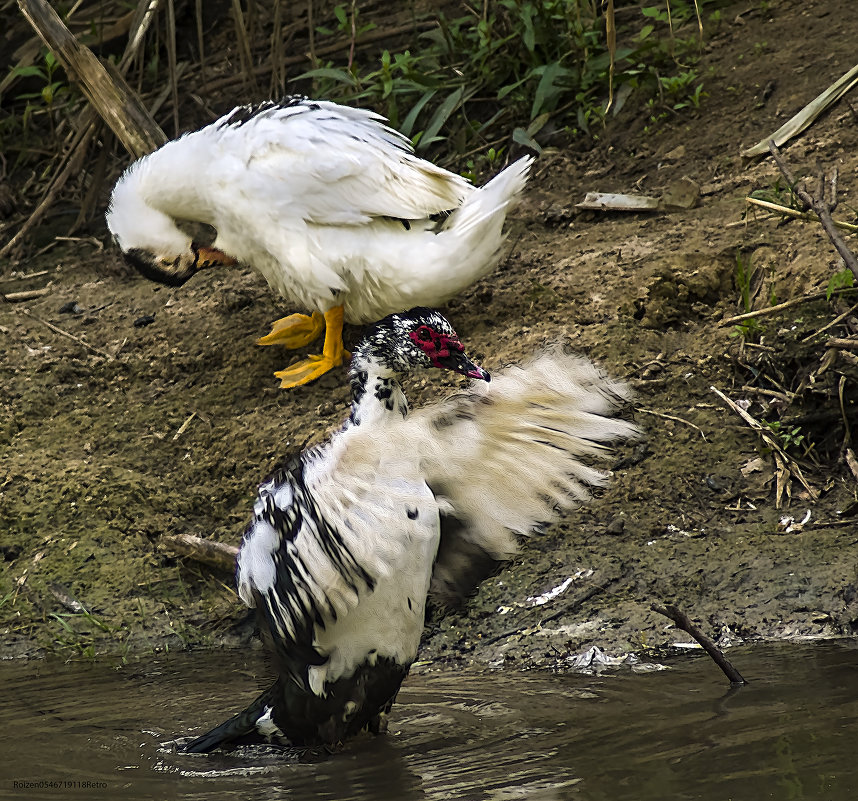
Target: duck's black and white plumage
328, 203
349, 540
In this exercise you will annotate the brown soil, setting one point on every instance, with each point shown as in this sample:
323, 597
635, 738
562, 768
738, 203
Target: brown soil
168, 427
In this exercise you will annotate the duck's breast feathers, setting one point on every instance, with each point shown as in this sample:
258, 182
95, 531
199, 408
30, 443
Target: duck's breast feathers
333, 164
326, 532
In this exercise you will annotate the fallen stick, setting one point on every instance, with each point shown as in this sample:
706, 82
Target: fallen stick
58, 330
772, 309
682, 621
820, 207
101, 83
783, 462
28, 294
674, 418
839, 342
216, 554
799, 215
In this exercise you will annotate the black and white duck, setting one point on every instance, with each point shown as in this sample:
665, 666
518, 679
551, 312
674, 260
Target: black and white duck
349, 540
331, 205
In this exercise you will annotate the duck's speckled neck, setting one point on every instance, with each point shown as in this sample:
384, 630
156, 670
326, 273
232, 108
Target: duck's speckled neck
375, 390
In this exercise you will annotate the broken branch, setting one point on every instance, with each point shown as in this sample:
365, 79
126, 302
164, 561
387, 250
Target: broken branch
216, 554
819, 205
683, 622
799, 215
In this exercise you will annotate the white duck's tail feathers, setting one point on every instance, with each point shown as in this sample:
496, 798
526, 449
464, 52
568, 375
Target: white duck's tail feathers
511, 455
468, 243
495, 199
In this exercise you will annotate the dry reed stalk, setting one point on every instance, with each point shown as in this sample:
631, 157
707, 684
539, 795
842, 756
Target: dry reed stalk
171, 63
243, 45
201, 44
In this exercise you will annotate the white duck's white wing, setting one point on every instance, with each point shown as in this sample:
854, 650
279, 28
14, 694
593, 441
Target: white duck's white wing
511, 454
320, 543
334, 165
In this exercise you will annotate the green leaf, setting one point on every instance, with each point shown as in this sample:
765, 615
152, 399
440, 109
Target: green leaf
29, 72
522, 137
842, 280
547, 91
655, 12
505, 90
408, 123
329, 72
441, 115
538, 124
340, 14
529, 37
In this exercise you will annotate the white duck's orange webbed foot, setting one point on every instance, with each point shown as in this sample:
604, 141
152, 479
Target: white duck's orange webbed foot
294, 331
305, 371
333, 354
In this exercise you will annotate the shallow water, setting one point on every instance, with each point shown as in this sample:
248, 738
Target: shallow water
105, 732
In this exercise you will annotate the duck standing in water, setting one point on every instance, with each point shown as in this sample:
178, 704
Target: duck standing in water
328, 203
348, 540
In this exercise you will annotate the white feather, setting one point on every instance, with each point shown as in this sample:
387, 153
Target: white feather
503, 458
313, 196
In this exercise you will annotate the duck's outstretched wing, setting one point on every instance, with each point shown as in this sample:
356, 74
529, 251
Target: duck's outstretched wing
510, 455
332, 164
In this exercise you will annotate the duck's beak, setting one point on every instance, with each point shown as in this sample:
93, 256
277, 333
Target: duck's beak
182, 268
459, 363
211, 257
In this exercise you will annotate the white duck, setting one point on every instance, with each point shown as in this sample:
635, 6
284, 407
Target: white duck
347, 541
328, 203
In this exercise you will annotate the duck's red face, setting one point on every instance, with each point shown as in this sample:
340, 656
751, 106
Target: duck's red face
446, 352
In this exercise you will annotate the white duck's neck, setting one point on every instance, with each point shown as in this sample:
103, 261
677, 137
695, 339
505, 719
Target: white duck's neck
376, 392
174, 179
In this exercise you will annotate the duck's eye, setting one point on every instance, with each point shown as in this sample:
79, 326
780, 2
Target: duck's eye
424, 333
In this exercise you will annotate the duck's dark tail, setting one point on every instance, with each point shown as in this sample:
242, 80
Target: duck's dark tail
242, 728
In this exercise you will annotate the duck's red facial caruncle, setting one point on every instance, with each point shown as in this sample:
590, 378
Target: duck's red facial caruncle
446, 352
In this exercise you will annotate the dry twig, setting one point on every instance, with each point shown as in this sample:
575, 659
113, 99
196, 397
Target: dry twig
840, 342
674, 418
684, 623
785, 465
819, 205
839, 319
61, 332
216, 554
29, 294
799, 215
772, 309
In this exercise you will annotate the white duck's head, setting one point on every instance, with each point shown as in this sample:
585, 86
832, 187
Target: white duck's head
149, 237
418, 338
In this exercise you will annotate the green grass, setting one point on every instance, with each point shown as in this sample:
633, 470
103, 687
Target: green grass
522, 71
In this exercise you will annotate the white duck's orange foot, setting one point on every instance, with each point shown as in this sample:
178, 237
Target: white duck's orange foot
333, 354
295, 331
308, 370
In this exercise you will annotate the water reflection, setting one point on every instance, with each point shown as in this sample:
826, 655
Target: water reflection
105, 732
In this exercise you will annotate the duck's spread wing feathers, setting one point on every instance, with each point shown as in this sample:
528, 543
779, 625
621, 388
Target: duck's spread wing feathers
317, 545
337, 165
510, 455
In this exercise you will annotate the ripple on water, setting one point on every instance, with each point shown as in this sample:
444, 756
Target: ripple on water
672, 735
